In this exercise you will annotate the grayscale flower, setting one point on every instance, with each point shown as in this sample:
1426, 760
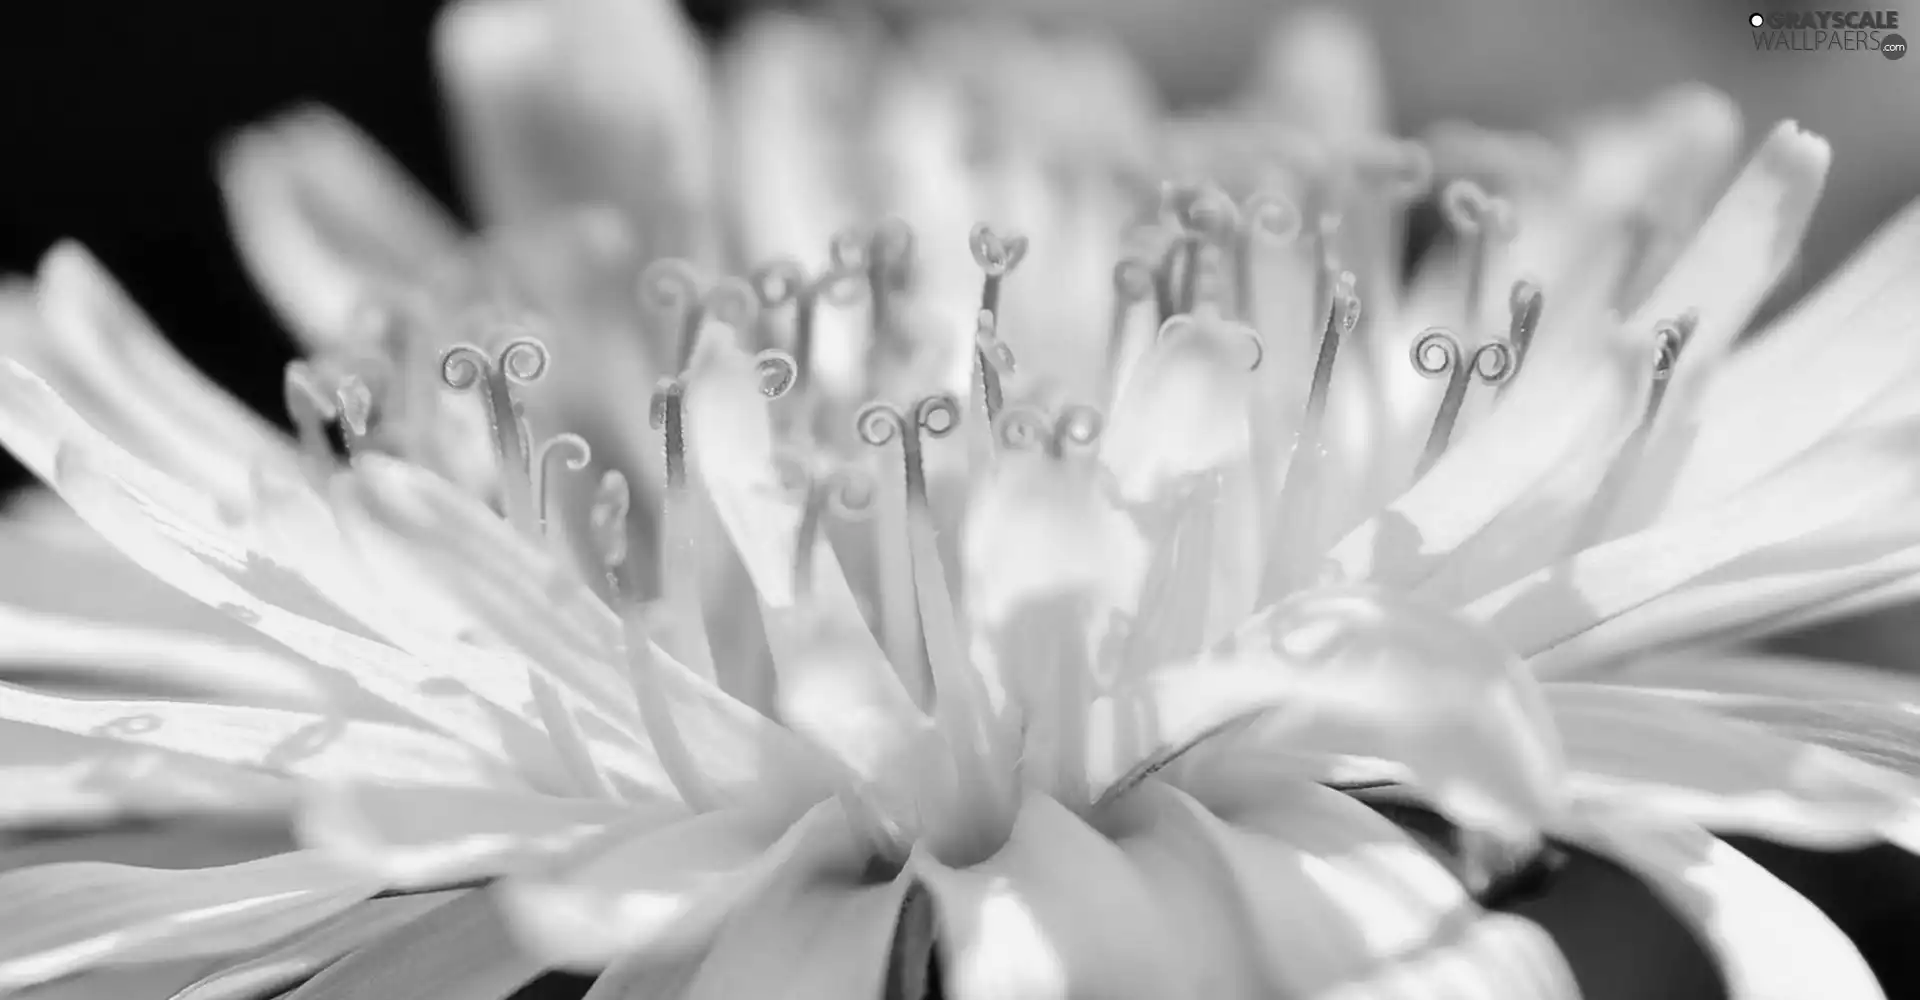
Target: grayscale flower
944, 611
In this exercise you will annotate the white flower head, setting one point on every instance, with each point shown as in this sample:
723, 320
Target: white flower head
1060, 611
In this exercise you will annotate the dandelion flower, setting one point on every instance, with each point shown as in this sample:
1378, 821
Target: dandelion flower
960, 612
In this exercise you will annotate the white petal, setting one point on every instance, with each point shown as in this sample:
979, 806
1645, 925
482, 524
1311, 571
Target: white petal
1354, 672
810, 934
665, 892
181, 537
1557, 414
1866, 563
836, 687
140, 979
1770, 943
1049, 563
307, 744
1495, 957
1651, 748
1058, 912
740, 755
640, 976
51, 778
286, 965
1297, 890
328, 224
1766, 675
418, 837
1722, 276
66, 917
121, 371
1182, 411
785, 79
1823, 365
1321, 71
580, 102
514, 589
460, 951
75, 654
1743, 246
1565, 599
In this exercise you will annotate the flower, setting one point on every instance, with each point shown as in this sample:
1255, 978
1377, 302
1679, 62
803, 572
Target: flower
1113, 691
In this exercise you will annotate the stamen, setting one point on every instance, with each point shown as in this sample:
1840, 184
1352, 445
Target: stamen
1343, 316
1265, 216
316, 413
843, 491
997, 256
1204, 215
960, 700
679, 567
667, 414
784, 282
524, 360
1395, 170
607, 524
676, 289
1299, 495
992, 358
1436, 354
569, 448
1023, 427
1669, 339
1478, 218
1526, 303
879, 423
889, 259
1133, 283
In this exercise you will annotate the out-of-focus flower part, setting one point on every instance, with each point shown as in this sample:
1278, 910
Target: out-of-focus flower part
948, 610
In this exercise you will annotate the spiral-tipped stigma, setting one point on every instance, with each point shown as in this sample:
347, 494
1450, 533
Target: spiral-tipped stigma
570, 449
1023, 428
678, 290
784, 282
1525, 303
1477, 219
1436, 353
520, 361
880, 423
778, 372
1669, 339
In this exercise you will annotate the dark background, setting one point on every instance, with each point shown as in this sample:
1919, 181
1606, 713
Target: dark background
110, 111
